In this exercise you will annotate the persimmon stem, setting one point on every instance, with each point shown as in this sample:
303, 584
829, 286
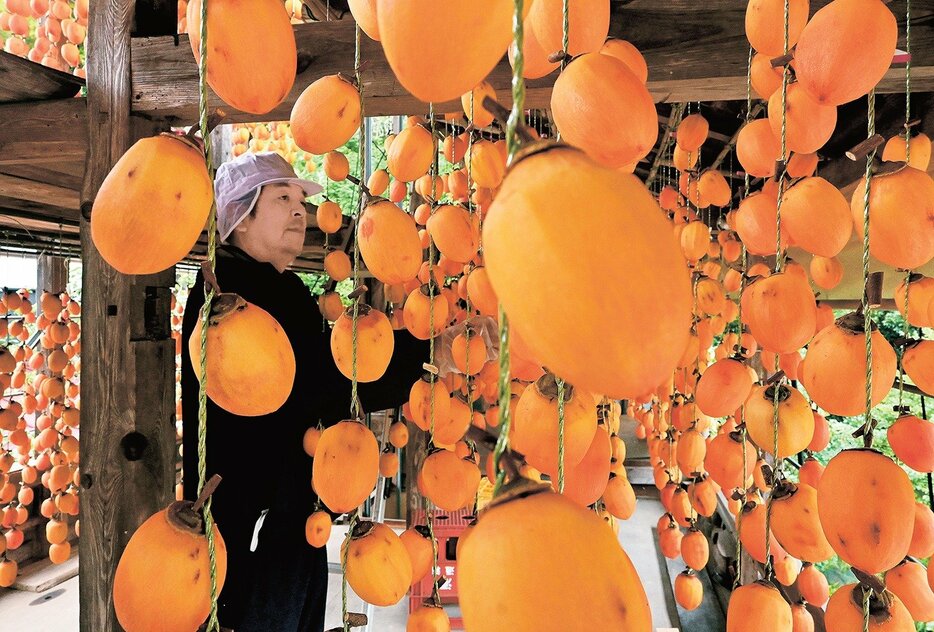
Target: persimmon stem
206, 492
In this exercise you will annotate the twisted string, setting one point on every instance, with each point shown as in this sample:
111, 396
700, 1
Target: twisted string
212, 623
907, 86
560, 434
867, 321
779, 256
565, 34
901, 368
867, 593
429, 510
512, 144
344, 620
354, 400
904, 347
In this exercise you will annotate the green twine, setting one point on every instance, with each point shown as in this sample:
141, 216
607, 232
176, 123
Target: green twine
867, 593
353, 523
867, 321
212, 623
904, 348
512, 145
354, 399
429, 512
560, 383
779, 257
907, 84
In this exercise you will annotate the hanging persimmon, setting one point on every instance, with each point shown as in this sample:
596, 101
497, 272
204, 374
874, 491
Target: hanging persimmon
919, 147
472, 104
692, 132
411, 153
147, 217
825, 233
765, 78
757, 148
689, 591
813, 585
233, 50
455, 232
364, 14
713, 188
920, 290
629, 55
886, 611
429, 617
863, 499
326, 115
795, 419
808, 124
758, 606
908, 582
417, 312
591, 96
346, 465
377, 564
374, 343
443, 480
780, 311
535, 425
826, 272
588, 25
175, 594
532, 222
586, 481
918, 361
901, 215
833, 371
535, 58
728, 462
250, 362
845, 50
912, 441
754, 222
723, 387
795, 522
573, 553
765, 24
421, 55
389, 242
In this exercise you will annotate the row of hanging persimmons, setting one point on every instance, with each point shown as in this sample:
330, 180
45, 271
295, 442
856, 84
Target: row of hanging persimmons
559, 295
39, 419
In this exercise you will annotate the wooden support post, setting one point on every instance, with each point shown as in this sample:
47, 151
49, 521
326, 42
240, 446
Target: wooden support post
128, 356
52, 274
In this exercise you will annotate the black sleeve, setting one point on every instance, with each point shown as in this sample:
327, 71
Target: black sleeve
392, 390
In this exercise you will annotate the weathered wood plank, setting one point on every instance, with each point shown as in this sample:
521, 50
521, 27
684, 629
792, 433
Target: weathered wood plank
24, 80
48, 174
39, 192
695, 52
45, 132
128, 362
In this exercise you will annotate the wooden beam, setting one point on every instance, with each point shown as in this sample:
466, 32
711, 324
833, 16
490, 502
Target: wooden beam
46, 174
39, 192
23, 80
695, 52
128, 359
44, 132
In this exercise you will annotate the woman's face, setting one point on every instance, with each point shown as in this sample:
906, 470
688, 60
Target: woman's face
275, 232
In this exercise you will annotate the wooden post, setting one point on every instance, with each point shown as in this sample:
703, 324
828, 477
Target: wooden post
52, 274
128, 356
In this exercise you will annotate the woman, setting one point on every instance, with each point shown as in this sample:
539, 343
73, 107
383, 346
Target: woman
276, 582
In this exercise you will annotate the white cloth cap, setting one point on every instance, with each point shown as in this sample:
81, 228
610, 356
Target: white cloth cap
237, 185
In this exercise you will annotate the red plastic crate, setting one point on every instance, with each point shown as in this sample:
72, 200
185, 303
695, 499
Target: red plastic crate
448, 527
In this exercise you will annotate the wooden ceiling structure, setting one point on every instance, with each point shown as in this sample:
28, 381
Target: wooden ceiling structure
56, 149
696, 52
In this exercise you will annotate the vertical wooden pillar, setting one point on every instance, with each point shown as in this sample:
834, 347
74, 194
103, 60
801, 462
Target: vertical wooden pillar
52, 274
128, 356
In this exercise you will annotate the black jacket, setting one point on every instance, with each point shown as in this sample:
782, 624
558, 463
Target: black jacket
261, 458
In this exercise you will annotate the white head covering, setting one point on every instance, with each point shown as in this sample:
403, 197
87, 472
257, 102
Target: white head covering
237, 185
